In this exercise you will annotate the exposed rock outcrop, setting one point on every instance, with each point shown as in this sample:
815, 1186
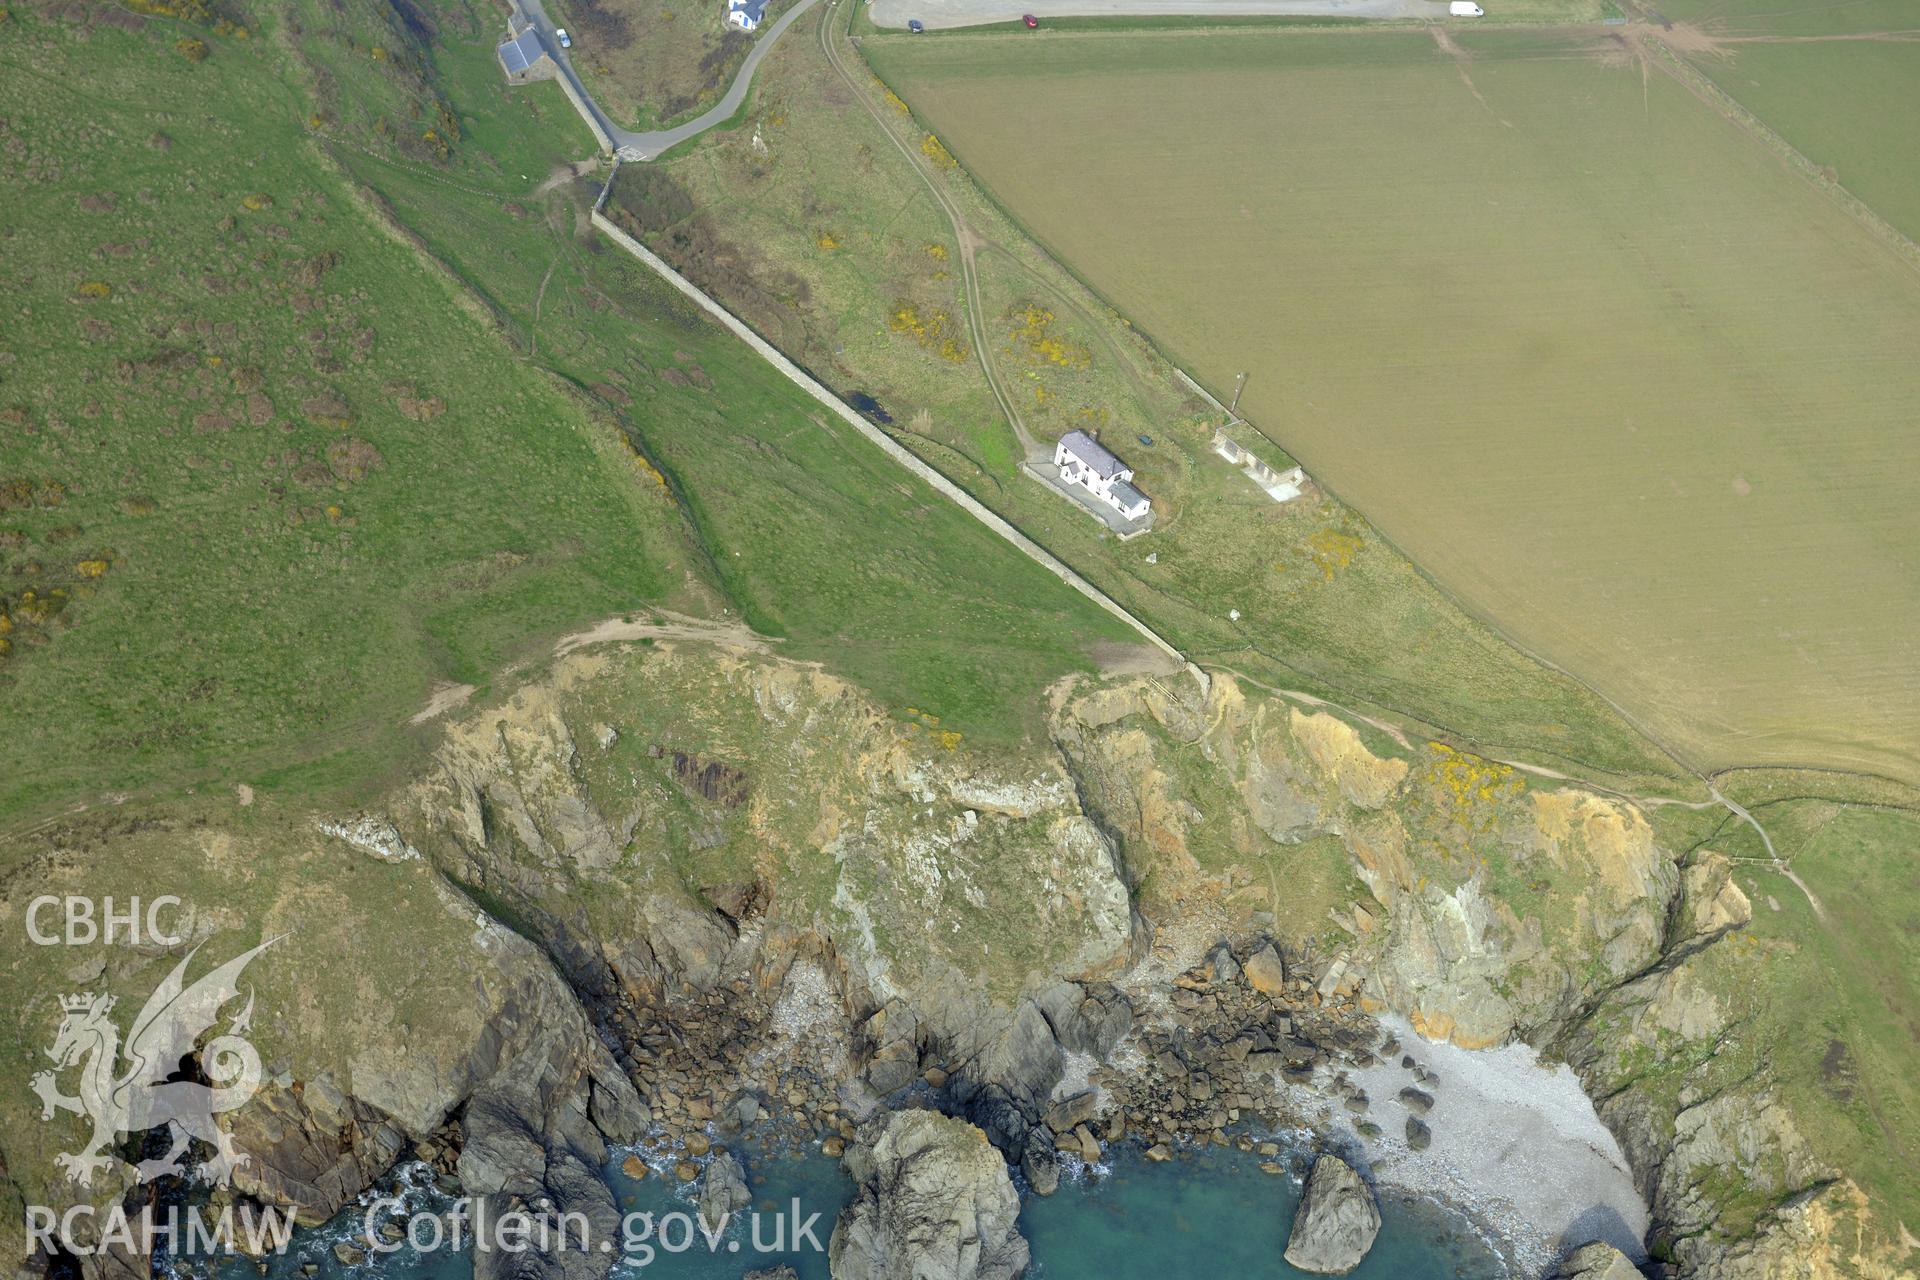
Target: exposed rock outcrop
1089, 1018
1336, 1222
934, 1203
1596, 1261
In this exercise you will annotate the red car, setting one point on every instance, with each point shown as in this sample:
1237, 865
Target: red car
1030, 20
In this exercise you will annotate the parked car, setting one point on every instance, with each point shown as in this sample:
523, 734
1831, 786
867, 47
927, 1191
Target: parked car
916, 26
1030, 20
560, 34
1465, 9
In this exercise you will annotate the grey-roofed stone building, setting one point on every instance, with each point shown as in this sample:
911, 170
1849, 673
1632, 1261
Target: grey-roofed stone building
525, 59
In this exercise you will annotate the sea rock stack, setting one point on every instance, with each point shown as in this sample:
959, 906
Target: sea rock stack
1336, 1222
935, 1203
723, 1191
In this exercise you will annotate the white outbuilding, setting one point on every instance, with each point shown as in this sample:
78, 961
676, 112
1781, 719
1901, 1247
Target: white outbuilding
746, 14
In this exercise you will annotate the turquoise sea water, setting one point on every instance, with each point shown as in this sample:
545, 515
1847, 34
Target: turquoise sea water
1217, 1214
1206, 1215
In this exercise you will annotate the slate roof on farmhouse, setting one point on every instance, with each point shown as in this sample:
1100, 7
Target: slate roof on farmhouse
521, 52
1126, 495
754, 9
1097, 457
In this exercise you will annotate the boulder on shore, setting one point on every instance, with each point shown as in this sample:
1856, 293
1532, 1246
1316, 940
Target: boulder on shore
1419, 1135
1040, 1164
1265, 972
1596, 1261
935, 1202
1336, 1222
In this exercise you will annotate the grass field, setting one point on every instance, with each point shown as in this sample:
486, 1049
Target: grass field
1842, 1025
266, 478
268, 472
1829, 101
1829, 80
1621, 380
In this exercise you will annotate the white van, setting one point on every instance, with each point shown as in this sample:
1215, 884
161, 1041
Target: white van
1464, 9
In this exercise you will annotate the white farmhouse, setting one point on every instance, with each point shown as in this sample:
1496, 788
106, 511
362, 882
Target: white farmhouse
746, 14
1088, 463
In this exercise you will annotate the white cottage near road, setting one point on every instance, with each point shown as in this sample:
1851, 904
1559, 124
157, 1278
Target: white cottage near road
1091, 465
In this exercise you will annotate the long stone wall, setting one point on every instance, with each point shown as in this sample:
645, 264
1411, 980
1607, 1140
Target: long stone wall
893, 448
587, 113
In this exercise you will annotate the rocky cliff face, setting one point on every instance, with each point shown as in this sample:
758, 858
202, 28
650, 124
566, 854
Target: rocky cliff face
1488, 907
686, 821
690, 884
386, 1007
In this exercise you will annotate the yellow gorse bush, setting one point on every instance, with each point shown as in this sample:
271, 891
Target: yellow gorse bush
936, 151
934, 332
1033, 326
1332, 550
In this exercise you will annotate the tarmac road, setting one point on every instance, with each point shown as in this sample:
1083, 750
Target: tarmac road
645, 146
972, 13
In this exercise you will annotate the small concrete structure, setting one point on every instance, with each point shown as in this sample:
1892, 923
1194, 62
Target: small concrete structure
1281, 486
524, 58
1084, 461
746, 14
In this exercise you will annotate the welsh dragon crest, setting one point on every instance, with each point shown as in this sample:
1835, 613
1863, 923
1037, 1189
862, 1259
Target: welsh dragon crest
141, 1096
